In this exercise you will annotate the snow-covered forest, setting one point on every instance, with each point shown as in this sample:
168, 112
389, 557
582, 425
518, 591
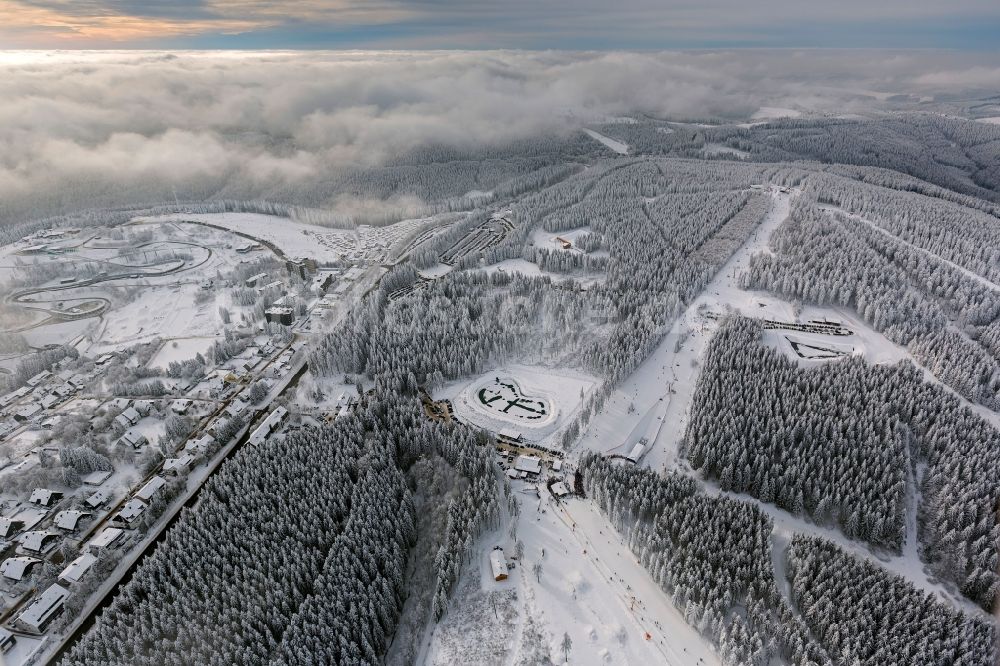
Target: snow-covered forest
838, 508
318, 526
944, 315
836, 443
713, 555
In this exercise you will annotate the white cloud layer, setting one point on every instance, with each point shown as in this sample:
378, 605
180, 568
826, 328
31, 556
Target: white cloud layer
72, 124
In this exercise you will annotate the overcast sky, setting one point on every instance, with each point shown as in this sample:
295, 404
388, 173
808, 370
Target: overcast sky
479, 24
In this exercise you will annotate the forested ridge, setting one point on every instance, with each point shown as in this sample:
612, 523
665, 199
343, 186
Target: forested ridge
953, 153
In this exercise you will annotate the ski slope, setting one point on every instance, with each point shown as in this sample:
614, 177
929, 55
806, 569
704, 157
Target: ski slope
616, 146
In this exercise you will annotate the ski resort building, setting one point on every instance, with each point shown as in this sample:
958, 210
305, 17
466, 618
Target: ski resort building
559, 489
68, 520
39, 378
27, 412
10, 526
108, 538
180, 406
44, 497
270, 424
98, 499
178, 466
280, 315
528, 464
131, 511
128, 418
200, 445
97, 478
152, 487
37, 541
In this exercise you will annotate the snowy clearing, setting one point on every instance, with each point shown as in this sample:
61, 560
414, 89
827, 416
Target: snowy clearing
616, 146
180, 349
562, 390
436, 271
525, 267
722, 149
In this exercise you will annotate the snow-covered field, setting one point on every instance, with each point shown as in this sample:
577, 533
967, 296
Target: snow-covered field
590, 587
525, 267
141, 307
563, 390
722, 149
547, 239
180, 349
298, 239
161, 311
295, 239
58, 333
435, 271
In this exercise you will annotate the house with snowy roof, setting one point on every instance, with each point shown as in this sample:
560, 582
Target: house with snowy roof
18, 568
68, 520
78, 568
46, 607
44, 496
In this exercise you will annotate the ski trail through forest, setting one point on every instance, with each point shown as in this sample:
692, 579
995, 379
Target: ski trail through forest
896, 239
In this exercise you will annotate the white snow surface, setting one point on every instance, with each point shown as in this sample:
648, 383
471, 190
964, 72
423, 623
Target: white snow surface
435, 271
722, 149
181, 349
547, 239
295, 239
563, 390
525, 267
614, 145
590, 587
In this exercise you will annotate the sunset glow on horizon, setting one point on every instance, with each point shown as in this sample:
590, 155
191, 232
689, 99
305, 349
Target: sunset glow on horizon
527, 24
